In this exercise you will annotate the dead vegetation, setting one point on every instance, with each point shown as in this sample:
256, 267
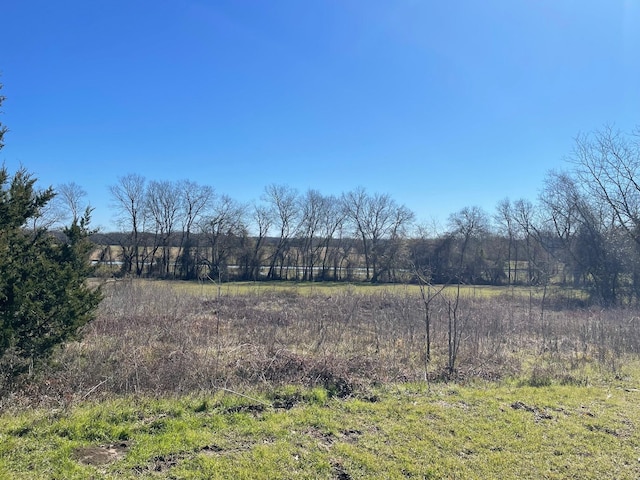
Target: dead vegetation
151, 338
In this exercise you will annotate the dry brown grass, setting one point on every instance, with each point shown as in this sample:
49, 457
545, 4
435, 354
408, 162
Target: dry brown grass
152, 338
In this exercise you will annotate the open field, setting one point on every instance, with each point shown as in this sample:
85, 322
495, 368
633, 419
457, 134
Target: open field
179, 380
211, 288
176, 337
408, 431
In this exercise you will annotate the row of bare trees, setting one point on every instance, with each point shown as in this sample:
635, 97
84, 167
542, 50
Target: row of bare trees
184, 229
583, 230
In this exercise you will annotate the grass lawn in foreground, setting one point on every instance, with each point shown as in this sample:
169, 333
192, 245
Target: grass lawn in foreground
479, 431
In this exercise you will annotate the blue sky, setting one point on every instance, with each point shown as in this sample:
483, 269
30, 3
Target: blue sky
442, 105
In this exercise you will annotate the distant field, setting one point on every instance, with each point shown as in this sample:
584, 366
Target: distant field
212, 288
282, 380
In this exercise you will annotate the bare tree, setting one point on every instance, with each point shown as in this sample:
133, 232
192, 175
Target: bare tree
331, 223
196, 199
395, 250
378, 221
587, 235
224, 227
607, 163
283, 204
527, 230
71, 195
356, 209
428, 293
456, 324
262, 219
48, 216
504, 219
470, 225
607, 166
321, 217
311, 205
164, 203
129, 196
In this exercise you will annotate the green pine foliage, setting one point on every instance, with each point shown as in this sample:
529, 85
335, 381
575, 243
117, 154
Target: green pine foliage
44, 297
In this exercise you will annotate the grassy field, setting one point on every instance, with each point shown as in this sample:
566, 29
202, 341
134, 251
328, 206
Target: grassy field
211, 288
178, 380
405, 431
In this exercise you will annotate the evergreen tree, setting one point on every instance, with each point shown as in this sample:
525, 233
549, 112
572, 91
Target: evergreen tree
44, 297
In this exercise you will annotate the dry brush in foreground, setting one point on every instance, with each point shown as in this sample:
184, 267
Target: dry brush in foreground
152, 338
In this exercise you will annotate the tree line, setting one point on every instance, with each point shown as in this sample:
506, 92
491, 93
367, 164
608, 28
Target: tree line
182, 229
583, 231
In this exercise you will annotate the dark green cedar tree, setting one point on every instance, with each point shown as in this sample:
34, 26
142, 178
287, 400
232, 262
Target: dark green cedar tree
44, 296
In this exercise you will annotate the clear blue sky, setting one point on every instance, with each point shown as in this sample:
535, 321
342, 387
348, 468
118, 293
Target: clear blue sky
440, 104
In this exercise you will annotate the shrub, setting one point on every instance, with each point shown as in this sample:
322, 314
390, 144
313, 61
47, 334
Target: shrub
44, 298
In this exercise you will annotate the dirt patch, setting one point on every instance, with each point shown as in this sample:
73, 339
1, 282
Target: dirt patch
211, 450
162, 463
339, 472
538, 413
254, 409
603, 429
101, 454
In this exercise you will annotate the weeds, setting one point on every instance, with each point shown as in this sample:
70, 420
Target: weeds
173, 383
162, 339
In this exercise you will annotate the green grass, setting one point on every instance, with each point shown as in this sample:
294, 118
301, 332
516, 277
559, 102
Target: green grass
481, 431
213, 289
